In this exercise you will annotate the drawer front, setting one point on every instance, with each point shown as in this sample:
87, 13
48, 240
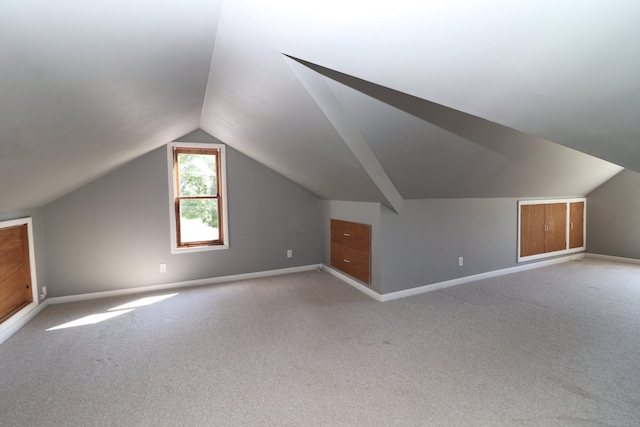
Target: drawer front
352, 235
354, 263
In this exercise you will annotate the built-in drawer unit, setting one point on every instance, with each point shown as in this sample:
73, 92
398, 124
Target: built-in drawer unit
351, 249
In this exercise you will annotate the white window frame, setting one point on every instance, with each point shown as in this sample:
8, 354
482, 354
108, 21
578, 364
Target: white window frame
568, 225
172, 195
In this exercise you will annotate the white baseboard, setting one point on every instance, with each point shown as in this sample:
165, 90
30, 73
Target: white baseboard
614, 258
18, 320
188, 283
348, 280
481, 276
449, 283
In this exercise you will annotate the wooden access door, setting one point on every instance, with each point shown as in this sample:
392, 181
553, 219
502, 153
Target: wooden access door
543, 228
15, 270
555, 217
576, 225
532, 227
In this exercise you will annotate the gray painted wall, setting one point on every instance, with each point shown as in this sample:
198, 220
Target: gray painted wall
113, 233
613, 217
38, 241
422, 245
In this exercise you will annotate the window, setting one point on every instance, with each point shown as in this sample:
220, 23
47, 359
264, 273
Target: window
197, 190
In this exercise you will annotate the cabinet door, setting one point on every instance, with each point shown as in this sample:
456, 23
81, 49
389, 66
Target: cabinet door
352, 262
15, 273
576, 225
532, 227
352, 235
555, 217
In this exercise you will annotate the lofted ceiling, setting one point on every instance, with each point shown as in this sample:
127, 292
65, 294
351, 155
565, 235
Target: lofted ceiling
352, 100
88, 86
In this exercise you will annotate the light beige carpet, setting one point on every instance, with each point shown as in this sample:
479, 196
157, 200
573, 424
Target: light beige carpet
553, 346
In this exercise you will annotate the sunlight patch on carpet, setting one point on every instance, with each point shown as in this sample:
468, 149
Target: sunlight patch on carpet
90, 320
143, 301
113, 312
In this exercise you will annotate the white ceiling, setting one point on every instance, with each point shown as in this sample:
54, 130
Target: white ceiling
352, 100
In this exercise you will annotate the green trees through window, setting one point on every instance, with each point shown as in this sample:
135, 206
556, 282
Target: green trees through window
197, 196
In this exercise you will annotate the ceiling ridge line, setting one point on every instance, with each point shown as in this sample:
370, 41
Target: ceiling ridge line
322, 94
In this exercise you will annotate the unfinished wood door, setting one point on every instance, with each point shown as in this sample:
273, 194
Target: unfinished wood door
15, 272
555, 218
532, 228
576, 225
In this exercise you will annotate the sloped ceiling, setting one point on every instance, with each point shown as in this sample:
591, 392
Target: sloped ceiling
353, 100
87, 86
455, 99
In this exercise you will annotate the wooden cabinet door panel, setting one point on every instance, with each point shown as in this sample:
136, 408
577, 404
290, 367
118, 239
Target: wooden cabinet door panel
555, 238
351, 248
352, 262
15, 273
531, 230
552, 227
352, 235
576, 225
12, 295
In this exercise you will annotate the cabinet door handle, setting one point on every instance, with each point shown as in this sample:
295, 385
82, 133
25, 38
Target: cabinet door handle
347, 234
346, 260
571, 226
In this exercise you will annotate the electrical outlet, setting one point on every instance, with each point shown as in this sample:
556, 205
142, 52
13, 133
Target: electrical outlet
289, 253
163, 268
460, 261
44, 291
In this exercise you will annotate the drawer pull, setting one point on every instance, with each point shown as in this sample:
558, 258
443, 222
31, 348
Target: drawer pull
346, 260
347, 234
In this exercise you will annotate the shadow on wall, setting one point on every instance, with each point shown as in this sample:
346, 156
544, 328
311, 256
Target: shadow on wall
508, 142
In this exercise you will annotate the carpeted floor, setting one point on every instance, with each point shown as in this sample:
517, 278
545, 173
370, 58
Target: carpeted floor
553, 346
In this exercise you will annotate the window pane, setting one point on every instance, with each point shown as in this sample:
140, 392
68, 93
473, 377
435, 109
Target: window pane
197, 174
198, 220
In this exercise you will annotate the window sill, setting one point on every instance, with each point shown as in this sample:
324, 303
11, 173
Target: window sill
175, 250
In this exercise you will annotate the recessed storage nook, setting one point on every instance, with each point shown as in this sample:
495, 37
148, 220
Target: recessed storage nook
351, 249
550, 227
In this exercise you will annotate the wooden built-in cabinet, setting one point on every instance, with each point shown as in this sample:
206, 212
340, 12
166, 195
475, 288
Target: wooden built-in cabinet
550, 228
576, 225
351, 249
543, 228
15, 272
